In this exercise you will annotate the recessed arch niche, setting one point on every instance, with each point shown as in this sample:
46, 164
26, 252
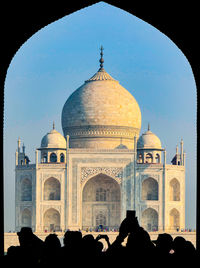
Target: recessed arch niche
101, 202
150, 219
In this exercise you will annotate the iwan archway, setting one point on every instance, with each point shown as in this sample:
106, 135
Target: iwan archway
101, 203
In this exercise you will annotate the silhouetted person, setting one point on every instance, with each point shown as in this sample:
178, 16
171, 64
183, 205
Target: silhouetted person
88, 251
184, 251
71, 248
140, 247
179, 246
13, 257
117, 251
191, 251
164, 246
31, 246
51, 251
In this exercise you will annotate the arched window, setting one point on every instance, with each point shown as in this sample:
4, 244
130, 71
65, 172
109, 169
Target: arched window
157, 158
53, 157
52, 189
45, 158
149, 158
100, 194
149, 189
26, 218
174, 219
140, 159
51, 220
26, 190
150, 219
62, 158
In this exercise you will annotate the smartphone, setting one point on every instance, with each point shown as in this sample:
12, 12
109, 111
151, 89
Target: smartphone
130, 214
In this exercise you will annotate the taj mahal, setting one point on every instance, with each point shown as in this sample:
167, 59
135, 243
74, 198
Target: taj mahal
100, 167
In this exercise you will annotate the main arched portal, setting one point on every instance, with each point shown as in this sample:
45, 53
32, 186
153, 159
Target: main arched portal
101, 203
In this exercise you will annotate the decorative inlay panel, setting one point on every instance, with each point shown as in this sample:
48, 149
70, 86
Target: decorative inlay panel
116, 172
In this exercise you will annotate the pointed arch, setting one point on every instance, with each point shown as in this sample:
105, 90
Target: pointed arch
26, 190
51, 189
150, 219
174, 218
149, 158
157, 158
174, 190
53, 158
26, 218
140, 158
150, 189
62, 158
51, 220
101, 202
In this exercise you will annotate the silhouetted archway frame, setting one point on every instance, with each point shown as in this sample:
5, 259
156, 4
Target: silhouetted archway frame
23, 21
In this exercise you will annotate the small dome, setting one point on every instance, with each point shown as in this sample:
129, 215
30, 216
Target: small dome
149, 140
53, 139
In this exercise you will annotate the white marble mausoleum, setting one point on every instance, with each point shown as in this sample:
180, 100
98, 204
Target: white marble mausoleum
100, 167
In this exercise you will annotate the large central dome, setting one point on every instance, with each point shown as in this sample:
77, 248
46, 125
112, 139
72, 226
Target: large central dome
101, 114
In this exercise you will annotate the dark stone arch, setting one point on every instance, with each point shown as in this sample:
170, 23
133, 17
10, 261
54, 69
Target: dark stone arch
53, 158
149, 158
62, 158
25, 21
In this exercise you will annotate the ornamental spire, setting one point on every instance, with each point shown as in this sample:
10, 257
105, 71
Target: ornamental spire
101, 59
148, 127
53, 125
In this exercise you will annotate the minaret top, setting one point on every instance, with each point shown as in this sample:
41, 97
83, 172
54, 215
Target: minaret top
18, 144
148, 127
176, 149
53, 125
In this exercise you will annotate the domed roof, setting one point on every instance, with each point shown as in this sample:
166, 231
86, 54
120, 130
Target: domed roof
53, 139
148, 140
101, 101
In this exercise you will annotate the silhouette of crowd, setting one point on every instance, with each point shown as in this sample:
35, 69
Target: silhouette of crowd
89, 251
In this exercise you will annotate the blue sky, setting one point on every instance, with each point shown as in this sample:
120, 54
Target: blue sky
61, 56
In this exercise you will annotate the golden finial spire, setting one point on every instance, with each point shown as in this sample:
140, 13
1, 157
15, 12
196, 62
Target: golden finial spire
53, 125
101, 59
